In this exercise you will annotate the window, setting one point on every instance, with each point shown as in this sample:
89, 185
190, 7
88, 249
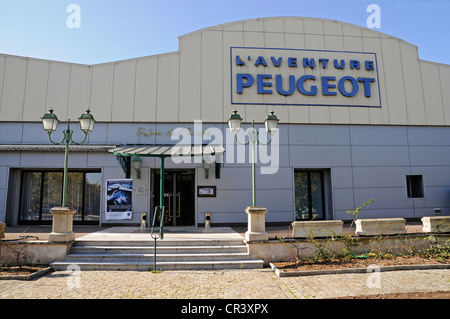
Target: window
42, 190
414, 186
309, 195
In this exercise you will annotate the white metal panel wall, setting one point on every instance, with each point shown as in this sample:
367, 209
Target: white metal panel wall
145, 90
212, 78
123, 91
13, 91
395, 93
167, 106
415, 105
190, 79
230, 38
36, 90
195, 82
2, 73
58, 89
444, 75
434, 112
79, 93
102, 92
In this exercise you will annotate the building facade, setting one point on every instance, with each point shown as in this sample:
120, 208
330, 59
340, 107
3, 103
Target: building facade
360, 117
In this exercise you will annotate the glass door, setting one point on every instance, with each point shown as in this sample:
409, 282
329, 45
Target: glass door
309, 195
179, 196
185, 196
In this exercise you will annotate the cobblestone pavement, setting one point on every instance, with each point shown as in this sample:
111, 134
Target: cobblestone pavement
219, 284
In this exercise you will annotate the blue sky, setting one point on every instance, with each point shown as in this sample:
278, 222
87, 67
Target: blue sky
112, 30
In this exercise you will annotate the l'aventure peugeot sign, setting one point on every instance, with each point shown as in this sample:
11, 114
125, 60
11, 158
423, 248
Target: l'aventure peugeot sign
304, 77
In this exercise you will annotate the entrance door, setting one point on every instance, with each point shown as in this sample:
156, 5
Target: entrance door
309, 195
179, 196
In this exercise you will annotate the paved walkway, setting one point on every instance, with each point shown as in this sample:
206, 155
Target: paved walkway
219, 284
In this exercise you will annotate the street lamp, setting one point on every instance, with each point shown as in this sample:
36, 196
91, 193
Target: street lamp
50, 122
137, 163
271, 123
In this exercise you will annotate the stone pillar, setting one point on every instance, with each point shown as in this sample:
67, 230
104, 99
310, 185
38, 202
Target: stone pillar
317, 228
256, 224
436, 224
380, 226
2, 230
62, 225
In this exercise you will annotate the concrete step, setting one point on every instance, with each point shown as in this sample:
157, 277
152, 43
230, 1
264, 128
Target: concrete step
148, 266
189, 252
75, 258
163, 242
149, 249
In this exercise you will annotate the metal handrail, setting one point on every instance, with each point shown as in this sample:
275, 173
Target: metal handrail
160, 210
160, 235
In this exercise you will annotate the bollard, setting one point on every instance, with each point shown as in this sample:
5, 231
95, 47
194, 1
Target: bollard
207, 220
143, 221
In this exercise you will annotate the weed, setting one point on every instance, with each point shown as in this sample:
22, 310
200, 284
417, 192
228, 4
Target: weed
437, 250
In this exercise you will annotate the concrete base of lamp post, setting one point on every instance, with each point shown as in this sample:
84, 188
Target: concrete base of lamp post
256, 224
2, 230
62, 225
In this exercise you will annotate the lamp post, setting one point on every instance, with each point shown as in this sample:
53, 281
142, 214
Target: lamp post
63, 216
50, 122
271, 123
256, 215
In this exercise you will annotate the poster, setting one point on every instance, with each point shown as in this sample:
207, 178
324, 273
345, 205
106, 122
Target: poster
118, 199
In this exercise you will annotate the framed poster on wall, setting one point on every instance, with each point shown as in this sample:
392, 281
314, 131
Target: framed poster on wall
119, 199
